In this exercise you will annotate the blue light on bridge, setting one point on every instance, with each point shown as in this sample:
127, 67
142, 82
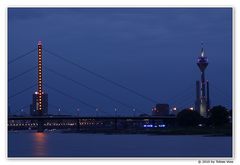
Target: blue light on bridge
162, 125
154, 126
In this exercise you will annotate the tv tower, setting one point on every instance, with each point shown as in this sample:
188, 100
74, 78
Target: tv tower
39, 104
202, 104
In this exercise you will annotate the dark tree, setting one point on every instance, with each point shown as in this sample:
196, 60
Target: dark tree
188, 118
218, 116
230, 112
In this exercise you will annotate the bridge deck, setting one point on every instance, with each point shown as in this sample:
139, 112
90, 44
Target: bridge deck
88, 117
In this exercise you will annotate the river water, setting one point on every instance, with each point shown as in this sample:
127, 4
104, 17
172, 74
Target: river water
32, 144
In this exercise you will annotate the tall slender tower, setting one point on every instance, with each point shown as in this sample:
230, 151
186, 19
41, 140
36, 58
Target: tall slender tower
202, 101
39, 104
39, 98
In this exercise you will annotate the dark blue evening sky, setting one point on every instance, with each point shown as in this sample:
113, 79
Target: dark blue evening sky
150, 50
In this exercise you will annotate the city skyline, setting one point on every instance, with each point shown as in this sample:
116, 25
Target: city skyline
136, 44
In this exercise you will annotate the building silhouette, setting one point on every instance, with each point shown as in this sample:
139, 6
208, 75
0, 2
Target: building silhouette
34, 106
161, 110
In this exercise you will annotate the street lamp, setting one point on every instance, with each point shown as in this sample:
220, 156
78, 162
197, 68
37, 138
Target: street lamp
115, 109
78, 111
21, 112
134, 112
96, 112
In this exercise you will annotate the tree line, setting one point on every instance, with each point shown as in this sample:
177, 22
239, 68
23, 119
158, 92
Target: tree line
218, 116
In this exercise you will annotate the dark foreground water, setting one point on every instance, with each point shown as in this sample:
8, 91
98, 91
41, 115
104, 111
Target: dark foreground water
31, 144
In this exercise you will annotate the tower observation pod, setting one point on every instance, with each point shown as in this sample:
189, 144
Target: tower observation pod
202, 101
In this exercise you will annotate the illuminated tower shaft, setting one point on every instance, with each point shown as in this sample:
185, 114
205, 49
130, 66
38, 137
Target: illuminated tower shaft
202, 101
203, 95
39, 99
39, 106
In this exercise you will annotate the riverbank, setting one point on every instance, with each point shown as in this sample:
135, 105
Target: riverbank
207, 131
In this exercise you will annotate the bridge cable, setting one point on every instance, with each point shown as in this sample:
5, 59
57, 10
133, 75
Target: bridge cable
181, 94
21, 56
102, 77
187, 101
54, 106
21, 74
91, 89
22, 91
74, 98
183, 98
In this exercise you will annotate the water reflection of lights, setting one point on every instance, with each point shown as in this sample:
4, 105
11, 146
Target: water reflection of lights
40, 147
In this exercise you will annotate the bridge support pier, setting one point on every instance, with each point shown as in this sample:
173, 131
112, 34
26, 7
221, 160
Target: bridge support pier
78, 124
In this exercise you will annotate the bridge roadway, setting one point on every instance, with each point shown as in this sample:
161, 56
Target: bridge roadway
89, 117
80, 122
